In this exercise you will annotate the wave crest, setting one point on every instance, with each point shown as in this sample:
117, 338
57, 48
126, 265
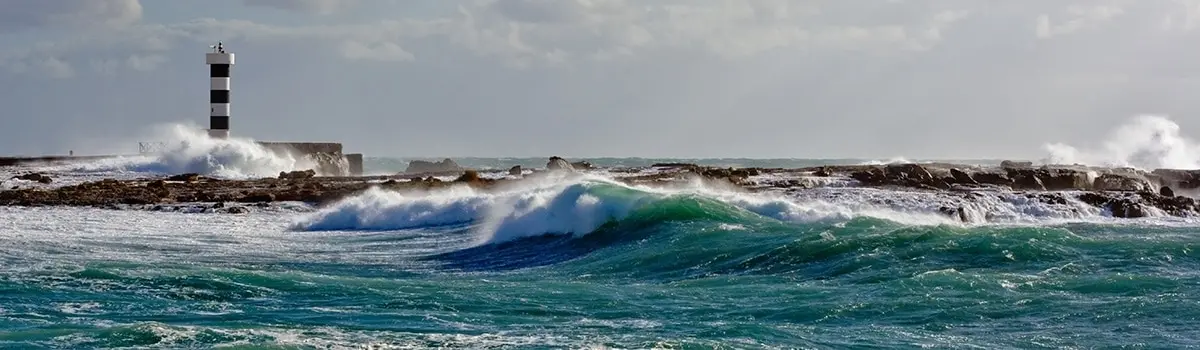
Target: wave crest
574, 206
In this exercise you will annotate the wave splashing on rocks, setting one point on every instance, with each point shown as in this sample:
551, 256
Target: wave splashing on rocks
1146, 142
190, 150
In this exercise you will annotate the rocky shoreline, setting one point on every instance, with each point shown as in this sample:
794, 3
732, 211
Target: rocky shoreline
1126, 193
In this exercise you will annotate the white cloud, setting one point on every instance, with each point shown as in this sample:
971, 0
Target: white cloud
322, 7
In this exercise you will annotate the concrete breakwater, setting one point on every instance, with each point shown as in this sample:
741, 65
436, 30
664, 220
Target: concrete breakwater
327, 156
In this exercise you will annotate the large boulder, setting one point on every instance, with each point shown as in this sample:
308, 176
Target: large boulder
36, 177
1057, 179
297, 175
908, 171
1025, 179
558, 163
424, 167
962, 177
1117, 182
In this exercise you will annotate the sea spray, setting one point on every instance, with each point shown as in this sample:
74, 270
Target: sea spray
1145, 142
190, 150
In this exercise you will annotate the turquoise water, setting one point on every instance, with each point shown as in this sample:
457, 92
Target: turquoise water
669, 271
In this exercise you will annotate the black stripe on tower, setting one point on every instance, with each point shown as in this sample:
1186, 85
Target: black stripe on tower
218, 70
218, 96
218, 122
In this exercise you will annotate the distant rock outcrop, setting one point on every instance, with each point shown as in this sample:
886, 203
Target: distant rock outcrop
37, 177
558, 163
424, 167
296, 175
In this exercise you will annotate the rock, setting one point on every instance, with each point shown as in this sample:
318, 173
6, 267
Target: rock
962, 177
1026, 180
557, 163
955, 212
468, 176
36, 177
425, 167
1008, 164
1126, 208
1174, 205
823, 172
237, 210
991, 178
257, 197
911, 171
515, 170
1166, 192
297, 175
189, 177
584, 165
674, 165
1115, 182
1182, 179
157, 184
1064, 179
873, 176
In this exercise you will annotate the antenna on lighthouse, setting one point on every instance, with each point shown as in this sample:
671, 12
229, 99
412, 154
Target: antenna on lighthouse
219, 63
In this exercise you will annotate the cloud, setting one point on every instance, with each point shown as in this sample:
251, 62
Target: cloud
1076, 18
20, 15
321, 7
524, 33
385, 51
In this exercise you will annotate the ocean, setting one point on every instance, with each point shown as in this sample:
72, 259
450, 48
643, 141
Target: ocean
586, 262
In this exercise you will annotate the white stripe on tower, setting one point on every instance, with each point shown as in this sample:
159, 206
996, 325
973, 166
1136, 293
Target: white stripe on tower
220, 64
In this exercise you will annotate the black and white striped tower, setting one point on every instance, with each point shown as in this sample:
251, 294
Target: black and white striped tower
219, 64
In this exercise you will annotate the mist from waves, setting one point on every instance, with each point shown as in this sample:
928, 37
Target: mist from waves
187, 149
1145, 142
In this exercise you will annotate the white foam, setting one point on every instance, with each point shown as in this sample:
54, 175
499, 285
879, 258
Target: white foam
893, 160
190, 150
553, 205
1145, 142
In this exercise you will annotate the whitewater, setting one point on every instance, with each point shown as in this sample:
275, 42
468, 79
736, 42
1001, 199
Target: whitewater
579, 260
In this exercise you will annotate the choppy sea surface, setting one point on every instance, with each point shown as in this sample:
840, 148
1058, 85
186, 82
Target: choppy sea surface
586, 262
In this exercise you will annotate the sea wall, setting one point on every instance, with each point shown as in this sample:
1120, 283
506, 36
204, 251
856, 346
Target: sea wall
354, 164
328, 156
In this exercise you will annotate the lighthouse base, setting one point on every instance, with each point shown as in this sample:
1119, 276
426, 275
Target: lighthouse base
218, 133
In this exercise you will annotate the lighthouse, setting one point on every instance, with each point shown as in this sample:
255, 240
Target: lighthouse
219, 64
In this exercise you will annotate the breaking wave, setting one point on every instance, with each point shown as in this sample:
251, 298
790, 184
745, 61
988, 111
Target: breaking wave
190, 150
580, 205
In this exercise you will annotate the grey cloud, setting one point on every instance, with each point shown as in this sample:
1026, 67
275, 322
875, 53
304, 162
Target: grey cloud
25, 14
686, 78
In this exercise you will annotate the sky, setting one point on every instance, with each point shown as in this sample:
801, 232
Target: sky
962, 79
